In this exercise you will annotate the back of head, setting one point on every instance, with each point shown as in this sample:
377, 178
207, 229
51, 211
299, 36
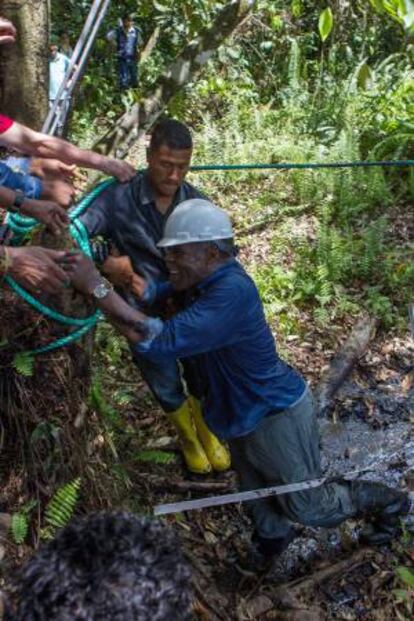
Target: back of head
171, 133
106, 567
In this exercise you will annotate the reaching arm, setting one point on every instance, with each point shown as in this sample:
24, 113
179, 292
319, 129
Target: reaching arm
35, 143
47, 212
129, 321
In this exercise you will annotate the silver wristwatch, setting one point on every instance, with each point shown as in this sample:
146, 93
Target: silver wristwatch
101, 290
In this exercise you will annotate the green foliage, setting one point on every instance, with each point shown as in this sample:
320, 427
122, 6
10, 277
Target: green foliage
401, 11
405, 596
101, 405
23, 363
325, 23
155, 457
19, 527
61, 507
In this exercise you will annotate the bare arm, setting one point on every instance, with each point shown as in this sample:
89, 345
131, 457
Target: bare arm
47, 212
129, 321
28, 141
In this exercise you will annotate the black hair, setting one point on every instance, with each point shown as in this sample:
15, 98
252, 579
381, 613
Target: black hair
171, 133
106, 566
226, 246
127, 16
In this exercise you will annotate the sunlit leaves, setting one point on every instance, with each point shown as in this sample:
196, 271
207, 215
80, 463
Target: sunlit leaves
325, 23
297, 8
401, 11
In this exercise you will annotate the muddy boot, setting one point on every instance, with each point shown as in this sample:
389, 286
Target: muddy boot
384, 506
264, 551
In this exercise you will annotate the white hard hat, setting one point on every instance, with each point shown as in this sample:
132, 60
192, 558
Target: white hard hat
196, 220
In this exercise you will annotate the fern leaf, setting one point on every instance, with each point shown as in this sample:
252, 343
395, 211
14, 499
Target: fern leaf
23, 363
62, 505
19, 527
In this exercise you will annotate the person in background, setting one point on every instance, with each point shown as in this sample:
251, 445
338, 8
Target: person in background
58, 68
65, 45
127, 39
105, 567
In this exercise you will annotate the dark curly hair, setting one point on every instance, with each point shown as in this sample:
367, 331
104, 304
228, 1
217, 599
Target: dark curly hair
171, 133
106, 567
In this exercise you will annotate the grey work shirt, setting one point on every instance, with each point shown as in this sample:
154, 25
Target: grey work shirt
126, 214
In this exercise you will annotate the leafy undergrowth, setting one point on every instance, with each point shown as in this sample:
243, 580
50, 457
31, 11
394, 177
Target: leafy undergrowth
328, 575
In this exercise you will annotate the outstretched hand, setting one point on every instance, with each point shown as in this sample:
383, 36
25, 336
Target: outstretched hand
40, 270
52, 215
120, 169
51, 168
60, 191
120, 272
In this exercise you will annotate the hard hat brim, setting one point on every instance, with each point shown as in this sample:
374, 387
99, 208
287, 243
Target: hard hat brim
168, 242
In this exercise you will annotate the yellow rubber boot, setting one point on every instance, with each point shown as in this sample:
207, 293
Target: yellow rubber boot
194, 454
217, 453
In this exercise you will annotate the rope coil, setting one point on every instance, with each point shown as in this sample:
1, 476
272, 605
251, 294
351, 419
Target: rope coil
21, 226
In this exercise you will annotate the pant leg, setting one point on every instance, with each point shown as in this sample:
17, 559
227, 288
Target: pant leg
123, 76
284, 448
164, 381
269, 520
132, 74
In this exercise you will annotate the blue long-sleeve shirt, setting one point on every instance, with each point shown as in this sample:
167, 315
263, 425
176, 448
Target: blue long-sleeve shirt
226, 331
31, 186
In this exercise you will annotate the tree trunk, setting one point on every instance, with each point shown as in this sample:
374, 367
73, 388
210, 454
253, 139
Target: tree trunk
133, 124
46, 438
24, 65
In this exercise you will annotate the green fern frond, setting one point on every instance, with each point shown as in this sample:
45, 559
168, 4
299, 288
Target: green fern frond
155, 457
19, 527
62, 505
23, 363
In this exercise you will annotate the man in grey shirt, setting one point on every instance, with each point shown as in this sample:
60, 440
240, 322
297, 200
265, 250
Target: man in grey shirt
132, 216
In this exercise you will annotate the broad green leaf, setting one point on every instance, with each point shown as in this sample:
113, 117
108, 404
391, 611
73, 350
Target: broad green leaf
325, 23
364, 76
406, 575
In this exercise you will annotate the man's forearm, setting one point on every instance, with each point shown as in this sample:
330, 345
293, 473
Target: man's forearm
7, 197
52, 147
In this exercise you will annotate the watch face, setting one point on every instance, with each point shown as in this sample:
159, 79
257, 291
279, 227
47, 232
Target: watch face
101, 291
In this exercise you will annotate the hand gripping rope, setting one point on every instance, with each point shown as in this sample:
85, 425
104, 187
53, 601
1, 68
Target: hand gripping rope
21, 225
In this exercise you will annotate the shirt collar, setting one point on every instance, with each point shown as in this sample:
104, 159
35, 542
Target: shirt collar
217, 274
146, 194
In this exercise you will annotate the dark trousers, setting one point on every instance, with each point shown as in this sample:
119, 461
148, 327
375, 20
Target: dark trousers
127, 73
284, 448
164, 379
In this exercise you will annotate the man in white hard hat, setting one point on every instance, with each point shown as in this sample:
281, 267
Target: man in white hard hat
268, 416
